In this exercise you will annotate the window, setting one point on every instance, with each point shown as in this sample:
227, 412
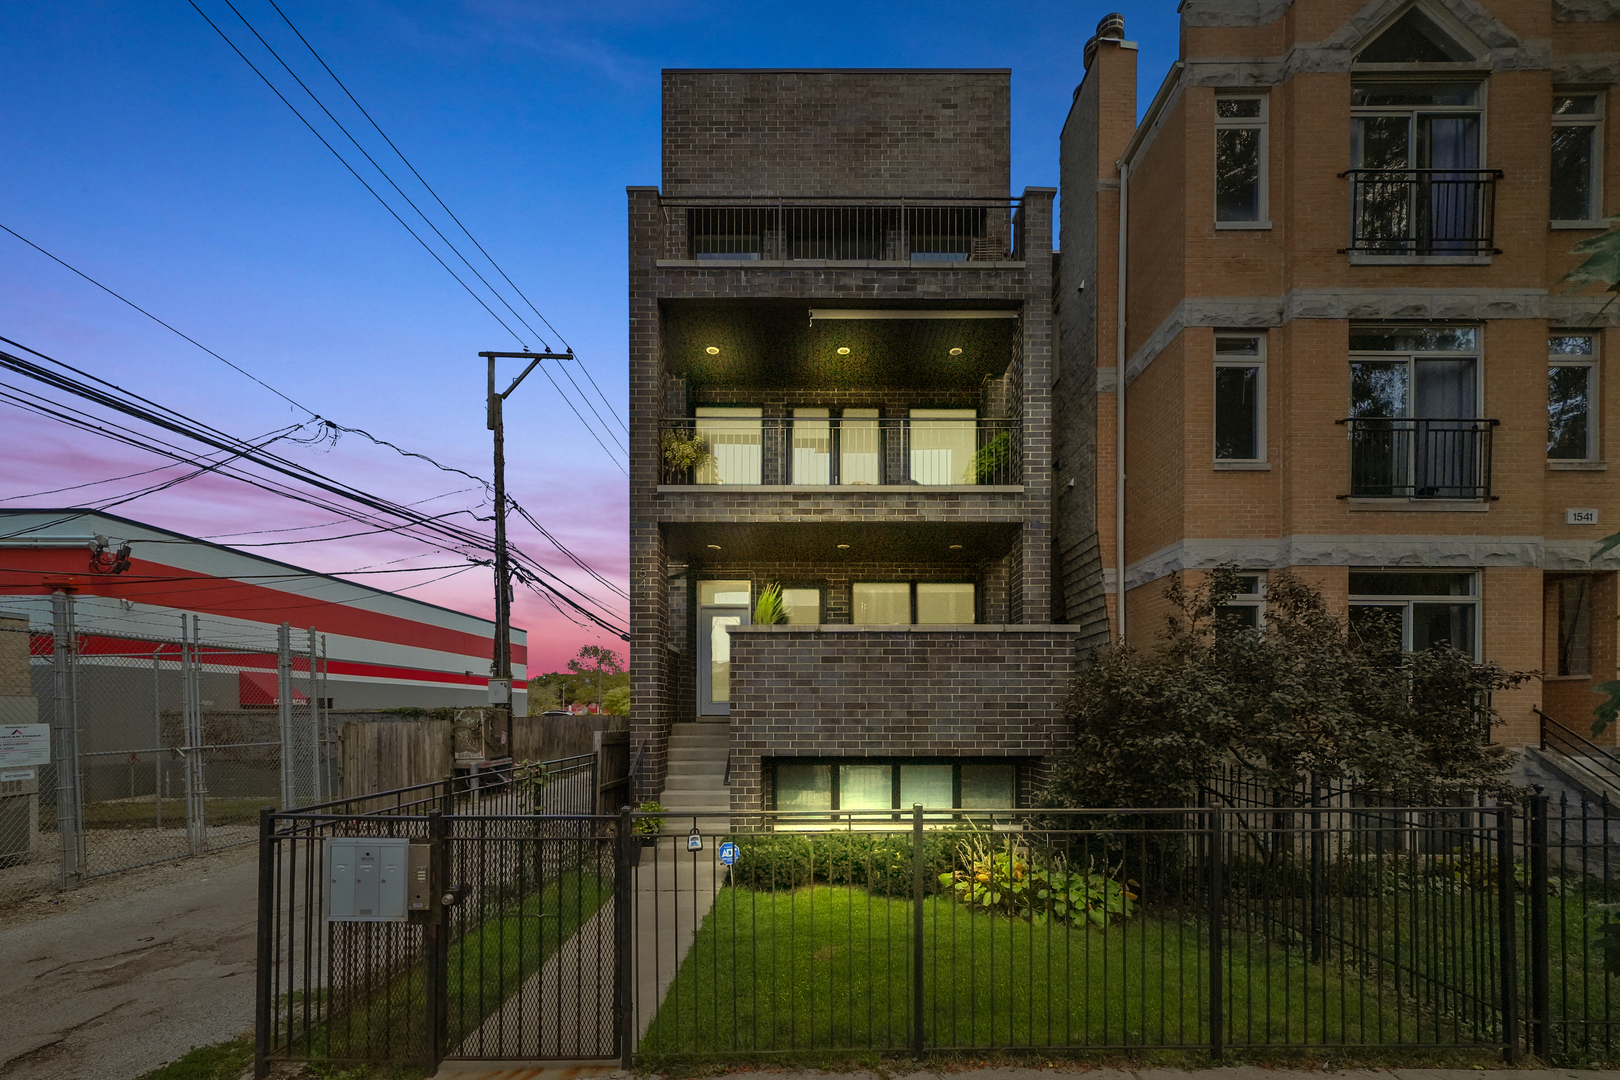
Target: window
812, 446
859, 444
1240, 161
902, 603
943, 445
803, 606
733, 438
1575, 626
1246, 609
1429, 608
877, 784
1414, 38
1240, 388
1418, 188
1577, 157
1572, 397
1414, 405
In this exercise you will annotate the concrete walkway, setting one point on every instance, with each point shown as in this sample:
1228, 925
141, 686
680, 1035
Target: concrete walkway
520, 1071
566, 1008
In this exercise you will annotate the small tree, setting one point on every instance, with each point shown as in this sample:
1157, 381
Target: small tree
598, 661
617, 701
1307, 696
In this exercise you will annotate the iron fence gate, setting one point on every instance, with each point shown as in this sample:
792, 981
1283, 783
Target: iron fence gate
572, 934
162, 744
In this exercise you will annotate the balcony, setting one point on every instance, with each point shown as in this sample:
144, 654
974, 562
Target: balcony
733, 229
1409, 213
847, 451
1420, 458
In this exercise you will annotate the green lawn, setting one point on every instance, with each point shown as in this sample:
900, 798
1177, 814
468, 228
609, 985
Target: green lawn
829, 968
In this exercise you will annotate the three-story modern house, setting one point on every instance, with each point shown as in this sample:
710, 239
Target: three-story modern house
835, 302
1312, 317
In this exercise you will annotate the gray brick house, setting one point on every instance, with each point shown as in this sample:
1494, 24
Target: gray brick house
834, 293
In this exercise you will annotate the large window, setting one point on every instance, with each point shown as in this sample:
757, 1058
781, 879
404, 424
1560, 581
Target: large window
902, 603
1418, 188
1429, 608
1240, 395
812, 446
1577, 157
1415, 430
1240, 161
1572, 397
943, 444
733, 438
721, 605
878, 784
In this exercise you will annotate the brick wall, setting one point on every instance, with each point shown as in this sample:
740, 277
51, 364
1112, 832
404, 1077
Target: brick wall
853, 133
887, 693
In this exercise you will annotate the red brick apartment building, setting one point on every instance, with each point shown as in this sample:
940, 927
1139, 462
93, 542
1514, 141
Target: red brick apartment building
1314, 299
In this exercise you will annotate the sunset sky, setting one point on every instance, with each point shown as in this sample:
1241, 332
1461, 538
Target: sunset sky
145, 152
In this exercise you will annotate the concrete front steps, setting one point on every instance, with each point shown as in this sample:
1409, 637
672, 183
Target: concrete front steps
694, 783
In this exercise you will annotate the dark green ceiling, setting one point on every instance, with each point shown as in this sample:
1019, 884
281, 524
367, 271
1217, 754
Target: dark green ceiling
774, 346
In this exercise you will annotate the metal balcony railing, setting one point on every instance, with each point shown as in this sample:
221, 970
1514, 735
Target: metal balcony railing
847, 452
1422, 211
842, 229
1420, 458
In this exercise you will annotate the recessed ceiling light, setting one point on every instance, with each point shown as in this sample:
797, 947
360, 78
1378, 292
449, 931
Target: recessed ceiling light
956, 352
843, 547
713, 350
956, 547
714, 547
843, 350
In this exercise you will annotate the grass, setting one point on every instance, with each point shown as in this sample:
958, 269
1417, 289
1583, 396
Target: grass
222, 1061
383, 1022
829, 969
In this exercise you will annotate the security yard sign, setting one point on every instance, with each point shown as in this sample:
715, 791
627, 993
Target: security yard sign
25, 744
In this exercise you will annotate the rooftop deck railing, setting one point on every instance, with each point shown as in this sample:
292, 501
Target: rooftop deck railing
842, 229
848, 452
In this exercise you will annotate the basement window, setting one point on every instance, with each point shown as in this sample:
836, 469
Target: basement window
869, 784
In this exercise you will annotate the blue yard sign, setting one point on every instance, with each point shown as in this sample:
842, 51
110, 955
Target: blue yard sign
728, 853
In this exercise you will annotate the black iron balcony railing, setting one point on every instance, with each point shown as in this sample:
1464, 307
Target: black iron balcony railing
842, 229
1420, 458
842, 452
1422, 211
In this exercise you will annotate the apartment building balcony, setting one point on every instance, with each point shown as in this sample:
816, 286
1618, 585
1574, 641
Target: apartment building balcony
855, 449
1420, 458
1405, 214
751, 231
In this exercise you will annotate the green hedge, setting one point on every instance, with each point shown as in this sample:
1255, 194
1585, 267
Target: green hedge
878, 862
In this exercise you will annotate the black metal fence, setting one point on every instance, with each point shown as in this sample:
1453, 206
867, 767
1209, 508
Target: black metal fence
1423, 211
851, 451
1420, 458
1246, 924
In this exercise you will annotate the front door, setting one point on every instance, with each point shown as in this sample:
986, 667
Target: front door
714, 656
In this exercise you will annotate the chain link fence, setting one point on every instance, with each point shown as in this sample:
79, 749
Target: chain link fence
160, 746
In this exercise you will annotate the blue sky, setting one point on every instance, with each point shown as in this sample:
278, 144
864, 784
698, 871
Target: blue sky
142, 150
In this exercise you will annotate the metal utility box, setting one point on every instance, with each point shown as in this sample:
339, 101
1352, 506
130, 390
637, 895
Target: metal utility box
366, 879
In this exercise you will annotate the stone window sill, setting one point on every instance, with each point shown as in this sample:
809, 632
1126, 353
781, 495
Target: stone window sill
1419, 260
1242, 466
1577, 466
1601, 223
1242, 226
1566, 678
1420, 506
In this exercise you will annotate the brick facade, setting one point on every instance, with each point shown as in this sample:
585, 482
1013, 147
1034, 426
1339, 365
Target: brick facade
1290, 279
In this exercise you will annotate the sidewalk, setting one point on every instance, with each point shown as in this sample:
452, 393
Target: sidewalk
467, 1070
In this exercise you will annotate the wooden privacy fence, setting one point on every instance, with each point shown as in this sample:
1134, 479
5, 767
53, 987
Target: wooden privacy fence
391, 754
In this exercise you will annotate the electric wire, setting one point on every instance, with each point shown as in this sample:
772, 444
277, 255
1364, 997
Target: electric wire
431, 530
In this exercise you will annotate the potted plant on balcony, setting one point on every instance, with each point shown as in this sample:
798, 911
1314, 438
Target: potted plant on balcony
768, 609
992, 460
683, 452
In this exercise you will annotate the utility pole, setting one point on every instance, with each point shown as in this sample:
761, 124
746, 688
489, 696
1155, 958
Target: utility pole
501, 670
